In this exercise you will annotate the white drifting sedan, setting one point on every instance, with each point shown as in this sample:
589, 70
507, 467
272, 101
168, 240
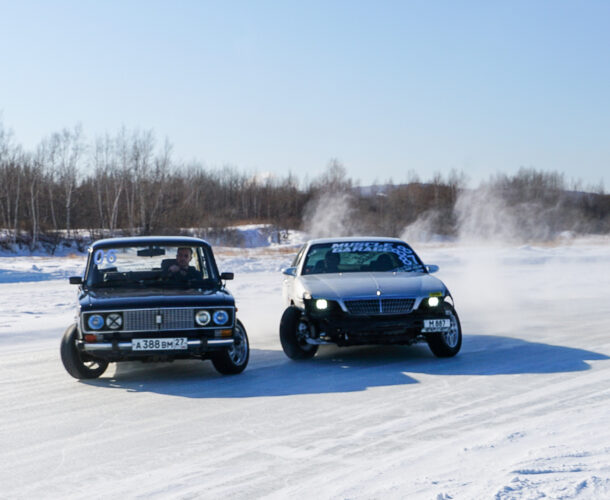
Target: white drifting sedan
356, 291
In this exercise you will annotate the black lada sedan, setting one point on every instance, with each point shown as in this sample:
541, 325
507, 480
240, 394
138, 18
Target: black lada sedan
153, 299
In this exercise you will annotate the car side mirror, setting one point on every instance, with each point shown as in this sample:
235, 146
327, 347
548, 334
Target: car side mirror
227, 276
432, 268
76, 280
290, 271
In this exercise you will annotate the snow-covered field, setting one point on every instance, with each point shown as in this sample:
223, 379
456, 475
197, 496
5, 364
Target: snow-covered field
522, 412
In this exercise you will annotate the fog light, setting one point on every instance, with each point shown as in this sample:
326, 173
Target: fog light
321, 304
433, 301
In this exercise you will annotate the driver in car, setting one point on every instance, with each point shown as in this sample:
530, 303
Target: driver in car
330, 263
180, 268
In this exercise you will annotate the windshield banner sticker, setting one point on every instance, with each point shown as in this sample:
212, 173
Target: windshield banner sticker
98, 257
405, 254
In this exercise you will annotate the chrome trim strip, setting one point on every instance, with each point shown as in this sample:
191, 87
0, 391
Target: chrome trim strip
105, 346
220, 342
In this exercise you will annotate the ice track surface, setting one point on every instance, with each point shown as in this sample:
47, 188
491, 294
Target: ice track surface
521, 412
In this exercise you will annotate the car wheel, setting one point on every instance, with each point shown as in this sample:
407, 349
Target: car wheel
79, 364
233, 360
293, 332
447, 344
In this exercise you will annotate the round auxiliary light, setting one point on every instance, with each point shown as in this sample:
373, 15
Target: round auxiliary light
221, 317
321, 304
95, 321
433, 301
202, 318
114, 321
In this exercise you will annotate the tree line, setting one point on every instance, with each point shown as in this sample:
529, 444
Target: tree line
127, 184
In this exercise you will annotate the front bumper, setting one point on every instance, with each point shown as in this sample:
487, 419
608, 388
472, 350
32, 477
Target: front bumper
122, 350
346, 330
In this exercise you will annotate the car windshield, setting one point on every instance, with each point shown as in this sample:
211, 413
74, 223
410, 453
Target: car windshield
361, 256
150, 266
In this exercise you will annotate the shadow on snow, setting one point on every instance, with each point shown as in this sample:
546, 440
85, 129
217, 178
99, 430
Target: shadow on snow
337, 370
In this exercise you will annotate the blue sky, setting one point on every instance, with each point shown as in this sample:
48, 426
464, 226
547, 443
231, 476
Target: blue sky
385, 87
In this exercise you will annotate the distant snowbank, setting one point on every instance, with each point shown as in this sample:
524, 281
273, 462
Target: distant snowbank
21, 269
263, 235
245, 236
64, 248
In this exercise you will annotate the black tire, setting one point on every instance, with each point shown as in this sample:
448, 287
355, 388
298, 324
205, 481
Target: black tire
293, 341
234, 360
446, 345
79, 365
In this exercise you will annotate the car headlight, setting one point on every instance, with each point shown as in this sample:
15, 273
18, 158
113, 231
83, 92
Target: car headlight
202, 318
114, 321
221, 317
433, 301
321, 304
95, 321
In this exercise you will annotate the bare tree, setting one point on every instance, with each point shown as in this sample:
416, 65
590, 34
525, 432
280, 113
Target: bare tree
10, 180
67, 150
34, 179
110, 181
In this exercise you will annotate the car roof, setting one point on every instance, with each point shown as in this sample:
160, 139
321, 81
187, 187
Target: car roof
345, 239
149, 240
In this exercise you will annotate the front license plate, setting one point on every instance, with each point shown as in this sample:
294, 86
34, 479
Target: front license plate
436, 325
177, 343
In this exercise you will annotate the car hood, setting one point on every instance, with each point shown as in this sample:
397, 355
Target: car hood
107, 299
344, 285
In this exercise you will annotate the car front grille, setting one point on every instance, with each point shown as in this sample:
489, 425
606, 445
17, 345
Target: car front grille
158, 319
367, 307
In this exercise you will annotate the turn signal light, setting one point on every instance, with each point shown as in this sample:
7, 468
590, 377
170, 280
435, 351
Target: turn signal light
90, 338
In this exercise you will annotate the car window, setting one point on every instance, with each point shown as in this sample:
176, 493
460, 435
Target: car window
297, 259
361, 256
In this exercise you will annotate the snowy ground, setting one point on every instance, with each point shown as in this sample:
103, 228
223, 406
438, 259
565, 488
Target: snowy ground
521, 412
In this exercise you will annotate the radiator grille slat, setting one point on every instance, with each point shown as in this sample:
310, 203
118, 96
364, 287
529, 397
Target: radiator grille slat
397, 306
365, 307
146, 319
140, 320
177, 318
